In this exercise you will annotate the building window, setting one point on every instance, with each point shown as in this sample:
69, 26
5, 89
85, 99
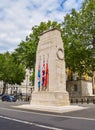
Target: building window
75, 87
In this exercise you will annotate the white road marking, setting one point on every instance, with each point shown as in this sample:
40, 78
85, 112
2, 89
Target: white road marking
30, 123
45, 114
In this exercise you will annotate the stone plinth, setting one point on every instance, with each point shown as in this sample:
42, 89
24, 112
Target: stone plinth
50, 98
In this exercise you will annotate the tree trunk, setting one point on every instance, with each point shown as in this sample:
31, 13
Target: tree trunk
93, 78
4, 88
93, 83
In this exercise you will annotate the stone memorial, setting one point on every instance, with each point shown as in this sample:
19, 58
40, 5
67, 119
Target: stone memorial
50, 76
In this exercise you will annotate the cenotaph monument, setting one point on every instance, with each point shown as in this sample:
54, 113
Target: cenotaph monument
50, 79
50, 76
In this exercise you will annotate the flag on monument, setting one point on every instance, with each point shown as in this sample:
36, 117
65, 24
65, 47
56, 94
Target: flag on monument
46, 80
43, 74
39, 77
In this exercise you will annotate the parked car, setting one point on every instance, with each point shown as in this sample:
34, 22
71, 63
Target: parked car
8, 98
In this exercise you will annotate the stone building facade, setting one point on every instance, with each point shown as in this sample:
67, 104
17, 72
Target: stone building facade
79, 88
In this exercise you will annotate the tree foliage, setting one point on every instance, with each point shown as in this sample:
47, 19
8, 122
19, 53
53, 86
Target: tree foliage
10, 71
78, 34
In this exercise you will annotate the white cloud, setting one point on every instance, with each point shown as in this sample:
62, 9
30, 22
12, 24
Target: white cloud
17, 17
69, 4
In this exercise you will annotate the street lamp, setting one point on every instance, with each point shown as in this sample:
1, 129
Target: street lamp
26, 85
93, 78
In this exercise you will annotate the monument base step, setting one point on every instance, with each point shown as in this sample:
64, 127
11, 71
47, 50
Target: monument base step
54, 109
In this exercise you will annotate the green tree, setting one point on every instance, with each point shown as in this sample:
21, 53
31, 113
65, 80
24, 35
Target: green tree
10, 71
78, 35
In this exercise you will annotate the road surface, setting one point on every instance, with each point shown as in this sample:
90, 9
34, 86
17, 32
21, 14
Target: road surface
17, 119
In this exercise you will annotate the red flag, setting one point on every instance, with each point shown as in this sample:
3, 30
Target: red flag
46, 80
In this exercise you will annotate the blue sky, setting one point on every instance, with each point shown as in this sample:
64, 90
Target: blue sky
17, 17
